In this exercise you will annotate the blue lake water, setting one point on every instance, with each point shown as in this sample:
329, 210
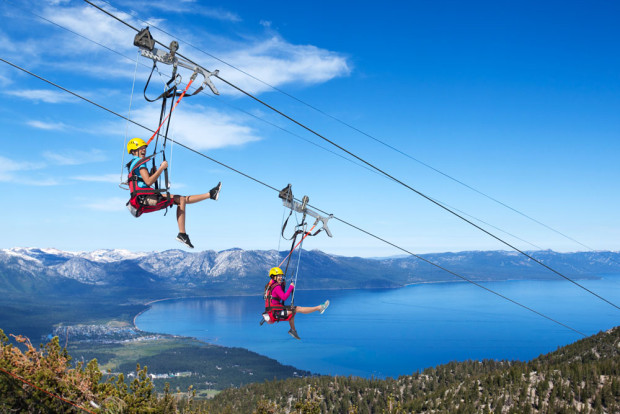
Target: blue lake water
396, 332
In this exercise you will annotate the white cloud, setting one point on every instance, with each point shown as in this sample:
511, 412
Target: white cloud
5, 81
13, 172
219, 14
44, 182
110, 204
103, 178
202, 128
8, 168
74, 157
186, 7
18, 46
274, 60
278, 62
42, 95
93, 24
8, 45
20, 172
49, 126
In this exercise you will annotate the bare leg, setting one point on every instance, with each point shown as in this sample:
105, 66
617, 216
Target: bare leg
292, 323
301, 309
191, 199
181, 202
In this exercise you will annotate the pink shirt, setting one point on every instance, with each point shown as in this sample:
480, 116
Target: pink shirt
278, 296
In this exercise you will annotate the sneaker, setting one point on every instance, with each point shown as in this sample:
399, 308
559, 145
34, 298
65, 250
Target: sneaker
293, 334
324, 306
184, 238
214, 193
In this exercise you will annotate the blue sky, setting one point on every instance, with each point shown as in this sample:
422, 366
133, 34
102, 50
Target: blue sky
520, 100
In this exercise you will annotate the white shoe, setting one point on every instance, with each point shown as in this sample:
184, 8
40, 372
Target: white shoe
324, 306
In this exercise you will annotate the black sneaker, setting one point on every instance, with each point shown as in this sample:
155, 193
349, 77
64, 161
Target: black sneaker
184, 238
293, 334
214, 193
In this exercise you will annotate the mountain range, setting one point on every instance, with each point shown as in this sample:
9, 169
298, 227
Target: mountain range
153, 275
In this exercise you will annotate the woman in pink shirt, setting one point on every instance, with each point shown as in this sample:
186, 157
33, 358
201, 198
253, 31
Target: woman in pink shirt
275, 298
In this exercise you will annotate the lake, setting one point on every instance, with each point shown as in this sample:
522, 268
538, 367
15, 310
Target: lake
392, 332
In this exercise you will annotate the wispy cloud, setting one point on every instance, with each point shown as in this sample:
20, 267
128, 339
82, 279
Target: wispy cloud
219, 14
8, 165
12, 171
42, 95
273, 59
187, 6
48, 126
278, 62
204, 128
5, 80
43, 182
110, 204
73, 157
92, 24
103, 178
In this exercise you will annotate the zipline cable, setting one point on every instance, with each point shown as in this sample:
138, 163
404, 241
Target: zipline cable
133, 84
278, 191
454, 213
275, 88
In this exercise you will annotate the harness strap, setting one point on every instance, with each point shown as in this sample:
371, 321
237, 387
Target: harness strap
308, 233
166, 93
137, 191
175, 105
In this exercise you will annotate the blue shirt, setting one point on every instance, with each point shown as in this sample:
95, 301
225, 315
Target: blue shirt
134, 161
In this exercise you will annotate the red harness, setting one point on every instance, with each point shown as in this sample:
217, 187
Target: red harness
136, 203
276, 313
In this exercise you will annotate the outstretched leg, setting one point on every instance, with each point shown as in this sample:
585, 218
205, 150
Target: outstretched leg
182, 201
321, 308
302, 309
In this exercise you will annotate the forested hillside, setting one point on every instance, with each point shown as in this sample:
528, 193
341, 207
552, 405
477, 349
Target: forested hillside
583, 377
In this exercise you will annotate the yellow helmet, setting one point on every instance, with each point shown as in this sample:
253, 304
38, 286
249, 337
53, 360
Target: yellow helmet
134, 144
275, 271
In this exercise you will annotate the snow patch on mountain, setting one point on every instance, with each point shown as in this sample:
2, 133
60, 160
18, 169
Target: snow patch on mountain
114, 255
82, 270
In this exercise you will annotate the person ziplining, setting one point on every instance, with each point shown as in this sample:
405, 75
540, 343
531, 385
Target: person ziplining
275, 294
147, 193
147, 199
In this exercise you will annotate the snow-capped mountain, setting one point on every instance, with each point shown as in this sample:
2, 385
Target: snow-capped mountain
236, 270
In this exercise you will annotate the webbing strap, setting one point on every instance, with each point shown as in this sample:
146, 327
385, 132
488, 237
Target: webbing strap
308, 233
172, 109
167, 92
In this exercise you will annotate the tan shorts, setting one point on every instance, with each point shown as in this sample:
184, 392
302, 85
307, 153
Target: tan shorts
150, 200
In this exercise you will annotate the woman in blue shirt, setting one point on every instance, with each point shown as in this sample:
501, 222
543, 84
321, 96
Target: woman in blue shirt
137, 148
